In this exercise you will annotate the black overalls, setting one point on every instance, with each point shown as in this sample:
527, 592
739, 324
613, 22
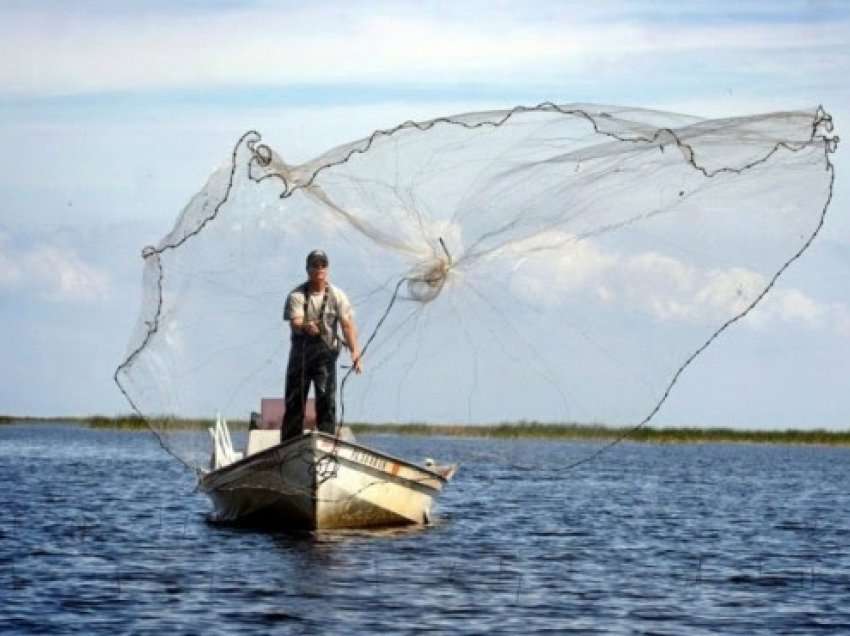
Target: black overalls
311, 359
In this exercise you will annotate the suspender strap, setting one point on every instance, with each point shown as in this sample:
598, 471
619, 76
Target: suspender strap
305, 289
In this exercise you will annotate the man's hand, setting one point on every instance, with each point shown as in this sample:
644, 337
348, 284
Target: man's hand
310, 329
357, 363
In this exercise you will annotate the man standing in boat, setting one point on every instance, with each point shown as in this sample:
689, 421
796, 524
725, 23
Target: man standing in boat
314, 309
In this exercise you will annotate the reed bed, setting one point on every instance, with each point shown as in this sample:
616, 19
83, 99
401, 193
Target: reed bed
505, 430
595, 432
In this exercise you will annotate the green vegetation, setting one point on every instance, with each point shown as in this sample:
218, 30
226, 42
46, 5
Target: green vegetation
536, 430
134, 422
129, 422
518, 430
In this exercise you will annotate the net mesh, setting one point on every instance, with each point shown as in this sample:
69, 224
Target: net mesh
549, 263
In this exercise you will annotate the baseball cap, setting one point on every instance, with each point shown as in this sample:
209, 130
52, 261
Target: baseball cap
317, 257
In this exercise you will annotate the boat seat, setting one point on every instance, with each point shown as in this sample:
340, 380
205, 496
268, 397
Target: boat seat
259, 440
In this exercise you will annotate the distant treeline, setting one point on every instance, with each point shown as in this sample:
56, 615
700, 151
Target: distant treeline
517, 430
128, 422
531, 430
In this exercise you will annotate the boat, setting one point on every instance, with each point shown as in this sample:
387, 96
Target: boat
316, 481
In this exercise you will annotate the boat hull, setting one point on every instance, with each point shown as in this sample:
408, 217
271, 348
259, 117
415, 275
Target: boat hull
318, 481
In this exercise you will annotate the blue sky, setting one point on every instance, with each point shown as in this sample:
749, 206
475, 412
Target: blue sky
114, 114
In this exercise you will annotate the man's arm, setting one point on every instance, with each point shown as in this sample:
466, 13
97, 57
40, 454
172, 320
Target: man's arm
298, 325
294, 313
349, 330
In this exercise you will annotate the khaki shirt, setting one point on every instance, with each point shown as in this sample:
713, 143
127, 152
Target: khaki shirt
338, 308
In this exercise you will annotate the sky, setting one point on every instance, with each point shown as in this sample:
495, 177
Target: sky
113, 114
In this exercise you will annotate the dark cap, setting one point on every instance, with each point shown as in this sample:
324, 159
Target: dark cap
317, 257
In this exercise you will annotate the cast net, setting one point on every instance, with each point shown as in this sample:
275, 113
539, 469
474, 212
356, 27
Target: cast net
551, 263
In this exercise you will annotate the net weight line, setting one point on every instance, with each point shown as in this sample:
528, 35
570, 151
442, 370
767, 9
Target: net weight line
261, 156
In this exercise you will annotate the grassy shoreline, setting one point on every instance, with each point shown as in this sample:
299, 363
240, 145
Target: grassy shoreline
518, 430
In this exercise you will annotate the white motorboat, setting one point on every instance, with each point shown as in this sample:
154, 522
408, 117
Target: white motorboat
317, 481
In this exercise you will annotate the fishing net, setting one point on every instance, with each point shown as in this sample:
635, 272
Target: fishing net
559, 264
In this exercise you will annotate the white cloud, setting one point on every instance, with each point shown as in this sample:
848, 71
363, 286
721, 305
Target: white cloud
56, 274
790, 305
102, 50
727, 292
10, 272
672, 290
658, 284
65, 276
554, 266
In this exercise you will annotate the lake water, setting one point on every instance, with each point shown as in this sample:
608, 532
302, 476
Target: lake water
101, 532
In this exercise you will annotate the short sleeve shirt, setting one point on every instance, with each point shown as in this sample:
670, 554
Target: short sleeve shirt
308, 307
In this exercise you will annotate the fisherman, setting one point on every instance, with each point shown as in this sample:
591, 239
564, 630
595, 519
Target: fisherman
314, 309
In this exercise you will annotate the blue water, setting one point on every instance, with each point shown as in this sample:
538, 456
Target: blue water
101, 532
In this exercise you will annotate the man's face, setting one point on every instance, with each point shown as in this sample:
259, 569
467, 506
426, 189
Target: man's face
318, 273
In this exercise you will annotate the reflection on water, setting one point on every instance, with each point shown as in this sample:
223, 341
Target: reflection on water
101, 532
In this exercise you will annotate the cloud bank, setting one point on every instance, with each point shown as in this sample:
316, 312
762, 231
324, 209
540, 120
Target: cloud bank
49, 49
664, 287
51, 273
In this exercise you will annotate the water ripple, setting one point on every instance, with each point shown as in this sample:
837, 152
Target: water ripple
102, 533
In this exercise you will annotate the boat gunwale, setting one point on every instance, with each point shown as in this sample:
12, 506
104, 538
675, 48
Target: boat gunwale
314, 436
